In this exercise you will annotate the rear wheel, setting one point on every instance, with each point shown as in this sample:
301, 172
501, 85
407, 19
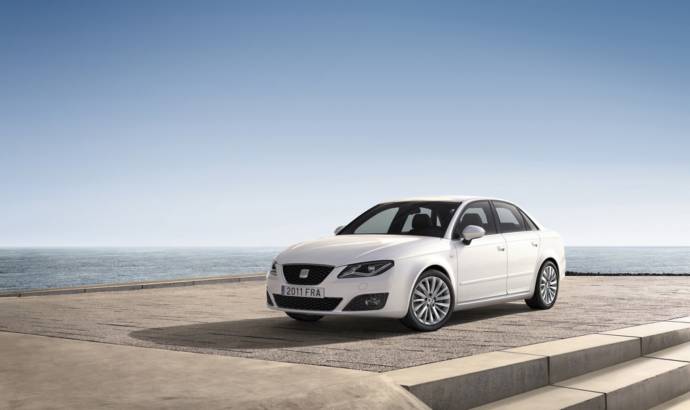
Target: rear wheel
302, 317
431, 303
546, 288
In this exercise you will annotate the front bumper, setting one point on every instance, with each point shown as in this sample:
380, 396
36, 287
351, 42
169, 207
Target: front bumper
339, 293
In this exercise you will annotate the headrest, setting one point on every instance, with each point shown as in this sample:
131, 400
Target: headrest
421, 221
471, 219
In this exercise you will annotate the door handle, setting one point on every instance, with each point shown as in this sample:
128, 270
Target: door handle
501, 248
535, 244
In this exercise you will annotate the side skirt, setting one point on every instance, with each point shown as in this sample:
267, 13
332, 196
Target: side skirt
491, 301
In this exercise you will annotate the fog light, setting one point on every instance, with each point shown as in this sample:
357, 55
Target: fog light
372, 301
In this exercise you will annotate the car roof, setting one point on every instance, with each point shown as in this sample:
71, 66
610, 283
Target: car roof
446, 198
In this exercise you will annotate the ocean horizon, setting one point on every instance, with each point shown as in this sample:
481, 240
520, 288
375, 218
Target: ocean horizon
24, 268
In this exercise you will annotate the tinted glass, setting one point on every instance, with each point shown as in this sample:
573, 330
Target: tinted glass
477, 213
509, 218
530, 226
404, 218
379, 222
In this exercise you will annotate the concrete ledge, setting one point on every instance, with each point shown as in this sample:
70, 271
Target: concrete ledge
474, 380
579, 355
656, 336
551, 397
685, 319
137, 286
679, 403
638, 384
679, 353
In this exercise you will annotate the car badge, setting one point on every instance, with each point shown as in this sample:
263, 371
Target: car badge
304, 273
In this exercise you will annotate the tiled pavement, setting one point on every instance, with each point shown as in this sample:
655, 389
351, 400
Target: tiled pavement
230, 319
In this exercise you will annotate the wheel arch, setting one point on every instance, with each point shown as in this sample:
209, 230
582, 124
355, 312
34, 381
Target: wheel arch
440, 266
543, 260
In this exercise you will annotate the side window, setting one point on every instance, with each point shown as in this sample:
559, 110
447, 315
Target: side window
379, 223
509, 218
477, 213
531, 226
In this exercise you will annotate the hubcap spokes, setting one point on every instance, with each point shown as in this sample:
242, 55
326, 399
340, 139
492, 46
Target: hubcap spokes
431, 300
548, 284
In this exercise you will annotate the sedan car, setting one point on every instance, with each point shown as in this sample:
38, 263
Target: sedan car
419, 260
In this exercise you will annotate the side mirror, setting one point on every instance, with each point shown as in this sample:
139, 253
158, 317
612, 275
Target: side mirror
338, 229
472, 232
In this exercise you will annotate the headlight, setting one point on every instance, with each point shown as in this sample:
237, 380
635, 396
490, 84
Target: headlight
274, 269
366, 269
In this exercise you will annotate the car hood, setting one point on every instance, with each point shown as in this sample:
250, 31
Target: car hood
346, 249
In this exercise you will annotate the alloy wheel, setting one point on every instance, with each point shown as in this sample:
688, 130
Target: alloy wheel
548, 284
431, 300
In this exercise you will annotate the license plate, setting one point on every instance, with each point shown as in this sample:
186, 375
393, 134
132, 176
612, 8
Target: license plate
302, 291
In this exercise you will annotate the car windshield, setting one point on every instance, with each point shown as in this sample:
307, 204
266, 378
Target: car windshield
421, 218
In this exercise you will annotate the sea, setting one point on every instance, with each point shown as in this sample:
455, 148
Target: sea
41, 268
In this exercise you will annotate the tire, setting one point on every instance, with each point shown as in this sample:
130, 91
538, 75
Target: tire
438, 292
549, 278
302, 317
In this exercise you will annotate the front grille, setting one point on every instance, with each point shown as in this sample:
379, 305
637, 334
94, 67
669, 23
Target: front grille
316, 274
295, 302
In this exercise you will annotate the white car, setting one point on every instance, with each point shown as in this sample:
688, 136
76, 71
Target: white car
419, 260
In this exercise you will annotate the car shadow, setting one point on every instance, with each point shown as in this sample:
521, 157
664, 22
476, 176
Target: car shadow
283, 332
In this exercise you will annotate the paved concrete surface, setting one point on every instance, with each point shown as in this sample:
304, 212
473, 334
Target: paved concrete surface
230, 319
39, 372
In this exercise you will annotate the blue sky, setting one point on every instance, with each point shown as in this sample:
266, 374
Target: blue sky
266, 123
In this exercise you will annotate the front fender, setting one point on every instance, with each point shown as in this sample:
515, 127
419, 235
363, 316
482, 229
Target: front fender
443, 262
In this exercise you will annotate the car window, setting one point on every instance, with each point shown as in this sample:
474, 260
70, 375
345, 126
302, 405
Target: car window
529, 224
407, 226
477, 213
509, 218
422, 218
378, 223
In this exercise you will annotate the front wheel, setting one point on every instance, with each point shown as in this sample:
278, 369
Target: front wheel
431, 303
302, 317
546, 288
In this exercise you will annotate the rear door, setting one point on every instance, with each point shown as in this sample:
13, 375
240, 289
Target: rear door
482, 263
522, 245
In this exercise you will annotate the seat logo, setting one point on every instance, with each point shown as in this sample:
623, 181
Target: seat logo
304, 273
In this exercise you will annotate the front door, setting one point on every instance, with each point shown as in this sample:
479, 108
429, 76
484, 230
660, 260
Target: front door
482, 263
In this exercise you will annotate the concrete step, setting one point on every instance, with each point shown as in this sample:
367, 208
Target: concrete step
485, 378
679, 403
473, 380
638, 384
656, 336
583, 354
550, 397
679, 353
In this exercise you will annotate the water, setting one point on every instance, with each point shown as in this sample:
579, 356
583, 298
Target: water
629, 259
37, 268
